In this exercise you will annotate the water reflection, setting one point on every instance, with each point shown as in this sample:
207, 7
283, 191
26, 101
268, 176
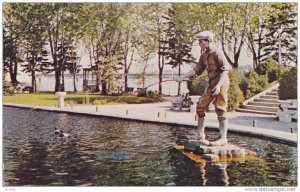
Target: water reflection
109, 152
222, 171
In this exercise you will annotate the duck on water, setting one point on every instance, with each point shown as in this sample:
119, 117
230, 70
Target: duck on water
61, 133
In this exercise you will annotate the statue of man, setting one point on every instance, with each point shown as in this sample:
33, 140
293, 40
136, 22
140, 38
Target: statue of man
217, 68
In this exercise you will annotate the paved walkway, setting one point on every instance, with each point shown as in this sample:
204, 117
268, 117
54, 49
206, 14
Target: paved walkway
266, 125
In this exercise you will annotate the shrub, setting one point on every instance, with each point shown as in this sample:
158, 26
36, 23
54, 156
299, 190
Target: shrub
253, 84
288, 84
197, 85
153, 94
8, 89
235, 94
148, 94
142, 93
271, 69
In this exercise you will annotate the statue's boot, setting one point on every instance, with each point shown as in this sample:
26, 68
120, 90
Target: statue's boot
201, 130
223, 126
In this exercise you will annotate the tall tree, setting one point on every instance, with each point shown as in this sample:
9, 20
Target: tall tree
52, 19
55, 17
179, 41
153, 24
69, 61
256, 31
130, 38
235, 19
11, 41
104, 38
32, 35
229, 22
71, 36
88, 23
281, 19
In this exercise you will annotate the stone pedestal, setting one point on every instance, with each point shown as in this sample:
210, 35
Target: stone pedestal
213, 152
61, 96
287, 110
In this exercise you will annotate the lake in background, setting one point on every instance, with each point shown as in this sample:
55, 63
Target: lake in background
46, 83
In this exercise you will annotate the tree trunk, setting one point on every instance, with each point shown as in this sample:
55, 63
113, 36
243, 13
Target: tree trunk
126, 78
15, 73
159, 63
160, 81
104, 88
97, 84
74, 82
57, 75
33, 82
179, 84
63, 79
126, 68
13, 70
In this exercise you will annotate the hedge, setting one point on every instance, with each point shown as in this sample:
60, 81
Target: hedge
288, 84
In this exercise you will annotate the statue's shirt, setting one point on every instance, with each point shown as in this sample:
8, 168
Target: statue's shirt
213, 61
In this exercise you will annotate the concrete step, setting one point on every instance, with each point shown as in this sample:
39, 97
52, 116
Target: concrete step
266, 100
269, 97
263, 104
272, 93
254, 111
260, 108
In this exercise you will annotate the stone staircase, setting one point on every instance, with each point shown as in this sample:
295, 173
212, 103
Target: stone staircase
266, 103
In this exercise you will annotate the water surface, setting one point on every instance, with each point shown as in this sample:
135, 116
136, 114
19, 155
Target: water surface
110, 152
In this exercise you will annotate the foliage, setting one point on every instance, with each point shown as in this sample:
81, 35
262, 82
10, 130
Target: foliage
108, 31
148, 94
178, 42
235, 94
152, 94
103, 30
281, 16
197, 85
271, 69
252, 84
288, 84
130, 40
155, 30
8, 89
11, 40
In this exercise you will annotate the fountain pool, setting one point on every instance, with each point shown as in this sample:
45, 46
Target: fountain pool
110, 152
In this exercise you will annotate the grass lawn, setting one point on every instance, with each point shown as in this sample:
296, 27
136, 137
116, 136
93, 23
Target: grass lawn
50, 99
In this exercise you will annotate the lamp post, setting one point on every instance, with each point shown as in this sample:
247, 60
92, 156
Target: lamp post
279, 36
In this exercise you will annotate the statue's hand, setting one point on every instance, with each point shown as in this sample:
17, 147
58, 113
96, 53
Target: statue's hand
216, 90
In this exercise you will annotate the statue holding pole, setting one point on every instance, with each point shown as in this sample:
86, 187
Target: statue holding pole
213, 61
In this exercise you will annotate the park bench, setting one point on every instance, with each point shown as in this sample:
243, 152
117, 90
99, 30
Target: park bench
183, 101
177, 104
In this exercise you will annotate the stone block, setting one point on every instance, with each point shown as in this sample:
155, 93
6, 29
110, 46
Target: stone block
211, 157
193, 145
223, 152
200, 148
